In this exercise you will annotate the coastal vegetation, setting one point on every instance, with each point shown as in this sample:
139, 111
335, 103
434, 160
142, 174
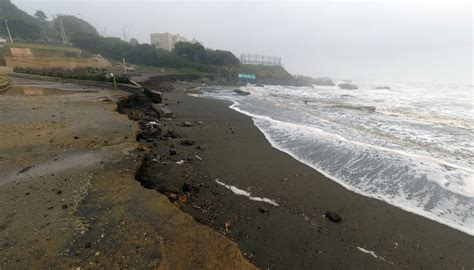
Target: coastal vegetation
37, 29
38, 33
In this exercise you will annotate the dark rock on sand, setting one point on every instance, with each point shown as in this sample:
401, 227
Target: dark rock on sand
348, 86
333, 217
173, 152
170, 133
383, 87
263, 210
149, 132
187, 187
187, 142
240, 92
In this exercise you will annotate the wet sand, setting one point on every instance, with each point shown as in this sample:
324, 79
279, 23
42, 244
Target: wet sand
295, 234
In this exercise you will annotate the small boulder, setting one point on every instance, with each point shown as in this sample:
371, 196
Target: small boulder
383, 88
171, 134
333, 217
187, 124
186, 187
241, 93
173, 152
187, 142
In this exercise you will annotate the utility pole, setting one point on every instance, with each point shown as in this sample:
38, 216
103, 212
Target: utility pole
63, 31
8, 31
124, 66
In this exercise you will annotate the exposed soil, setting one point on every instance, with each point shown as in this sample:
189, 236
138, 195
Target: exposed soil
68, 194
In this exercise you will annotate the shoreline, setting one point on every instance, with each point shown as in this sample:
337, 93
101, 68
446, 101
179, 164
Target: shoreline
372, 233
426, 215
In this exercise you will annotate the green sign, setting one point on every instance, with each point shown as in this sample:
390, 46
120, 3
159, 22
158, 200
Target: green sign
247, 76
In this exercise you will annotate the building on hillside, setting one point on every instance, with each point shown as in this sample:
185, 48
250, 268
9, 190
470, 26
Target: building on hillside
166, 40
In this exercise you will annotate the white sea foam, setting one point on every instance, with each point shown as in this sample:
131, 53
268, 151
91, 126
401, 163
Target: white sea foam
371, 253
412, 146
241, 192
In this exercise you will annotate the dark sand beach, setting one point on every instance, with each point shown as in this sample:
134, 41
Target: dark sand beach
225, 145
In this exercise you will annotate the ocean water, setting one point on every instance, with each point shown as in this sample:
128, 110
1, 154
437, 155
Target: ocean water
411, 146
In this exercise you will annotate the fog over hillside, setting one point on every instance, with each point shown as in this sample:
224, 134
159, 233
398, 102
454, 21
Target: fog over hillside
387, 41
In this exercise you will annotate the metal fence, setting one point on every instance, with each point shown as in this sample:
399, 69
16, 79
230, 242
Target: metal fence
254, 59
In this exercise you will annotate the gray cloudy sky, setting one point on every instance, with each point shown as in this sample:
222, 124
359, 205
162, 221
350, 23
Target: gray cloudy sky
358, 40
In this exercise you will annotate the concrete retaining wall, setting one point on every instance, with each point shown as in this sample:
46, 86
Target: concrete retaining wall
125, 87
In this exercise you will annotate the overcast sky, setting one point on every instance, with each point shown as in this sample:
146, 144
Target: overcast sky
348, 40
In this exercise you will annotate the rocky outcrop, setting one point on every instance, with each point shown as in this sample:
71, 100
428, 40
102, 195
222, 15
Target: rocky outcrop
323, 82
348, 86
241, 92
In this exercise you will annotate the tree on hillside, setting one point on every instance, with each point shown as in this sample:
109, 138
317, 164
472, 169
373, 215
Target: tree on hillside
193, 51
134, 42
41, 15
196, 53
74, 25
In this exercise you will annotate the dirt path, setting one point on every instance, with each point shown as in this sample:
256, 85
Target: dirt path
68, 197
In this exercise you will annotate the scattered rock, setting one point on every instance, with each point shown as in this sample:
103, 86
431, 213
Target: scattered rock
186, 187
187, 142
240, 92
173, 152
88, 245
170, 133
333, 217
348, 86
263, 210
187, 124
76, 138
